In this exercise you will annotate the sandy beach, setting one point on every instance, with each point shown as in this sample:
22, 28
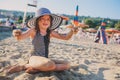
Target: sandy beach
94, 61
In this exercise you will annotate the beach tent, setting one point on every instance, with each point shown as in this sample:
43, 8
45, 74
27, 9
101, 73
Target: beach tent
101, 34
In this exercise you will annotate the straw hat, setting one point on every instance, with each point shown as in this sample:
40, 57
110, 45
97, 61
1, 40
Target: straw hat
56, 20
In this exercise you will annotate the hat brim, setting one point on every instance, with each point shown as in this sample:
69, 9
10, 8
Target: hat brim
56, 21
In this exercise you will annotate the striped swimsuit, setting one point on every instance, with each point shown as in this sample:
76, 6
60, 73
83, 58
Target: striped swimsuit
40, 45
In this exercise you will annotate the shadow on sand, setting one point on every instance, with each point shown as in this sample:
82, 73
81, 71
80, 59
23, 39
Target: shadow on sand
5, 78
91, 75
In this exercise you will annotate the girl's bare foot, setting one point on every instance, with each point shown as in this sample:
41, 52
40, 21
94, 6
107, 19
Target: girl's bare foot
31, 70
13, 69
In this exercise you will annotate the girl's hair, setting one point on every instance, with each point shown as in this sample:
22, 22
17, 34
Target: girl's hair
47, 37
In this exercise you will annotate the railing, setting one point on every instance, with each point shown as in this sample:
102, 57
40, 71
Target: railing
5, 28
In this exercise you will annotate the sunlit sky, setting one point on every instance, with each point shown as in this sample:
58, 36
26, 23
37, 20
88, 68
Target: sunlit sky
93, 8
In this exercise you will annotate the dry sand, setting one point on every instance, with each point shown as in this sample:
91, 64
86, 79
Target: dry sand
95, 61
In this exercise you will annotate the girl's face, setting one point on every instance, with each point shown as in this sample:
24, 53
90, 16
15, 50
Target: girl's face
44, 22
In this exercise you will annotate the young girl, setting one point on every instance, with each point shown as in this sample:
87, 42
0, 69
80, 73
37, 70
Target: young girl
41, 30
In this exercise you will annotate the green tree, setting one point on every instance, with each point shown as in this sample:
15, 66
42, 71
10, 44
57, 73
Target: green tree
28, 18
90, 23
117, 25
20, 19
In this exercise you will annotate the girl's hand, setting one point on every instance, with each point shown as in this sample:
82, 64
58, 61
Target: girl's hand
17, 32
75, 30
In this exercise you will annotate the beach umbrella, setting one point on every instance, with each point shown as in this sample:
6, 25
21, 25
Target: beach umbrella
80, 25
34, 4
112, 30
65, 18
91, 30
75, 21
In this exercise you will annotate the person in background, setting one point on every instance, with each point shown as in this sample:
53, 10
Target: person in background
7, 22
13, 26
